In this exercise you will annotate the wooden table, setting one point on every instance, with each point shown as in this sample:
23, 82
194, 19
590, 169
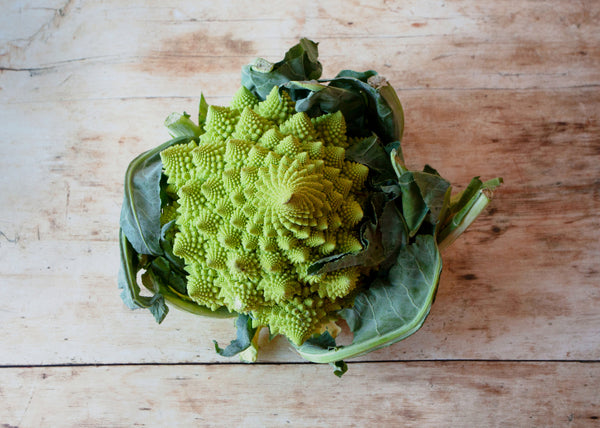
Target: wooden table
490, 88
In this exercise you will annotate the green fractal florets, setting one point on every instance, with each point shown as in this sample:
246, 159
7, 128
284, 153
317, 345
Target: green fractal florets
265, 193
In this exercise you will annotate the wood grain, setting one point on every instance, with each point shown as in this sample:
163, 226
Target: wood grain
548, 204
424, 394
489, 88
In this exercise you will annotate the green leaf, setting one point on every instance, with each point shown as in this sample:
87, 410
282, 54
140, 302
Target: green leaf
339, 368
463, 202
202, 111
322, 341
392, 308
433, 190
372, 255
316, 99
300, 63
363, 76
325, 342
140, 213
389, 109
382, 238
422, 193
245, 334
158, 308
156, 279
465, 208
414, 207
128, 269
170, 275
180, 125
167, 246
130, 293
401, 299
370, 152
385, 120
367, 101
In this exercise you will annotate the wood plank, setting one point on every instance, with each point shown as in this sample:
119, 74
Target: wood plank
69, 310
386, 394
172, 49
542, 224
528, 137
544, 142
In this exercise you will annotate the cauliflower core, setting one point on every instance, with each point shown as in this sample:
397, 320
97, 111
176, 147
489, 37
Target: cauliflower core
264, 194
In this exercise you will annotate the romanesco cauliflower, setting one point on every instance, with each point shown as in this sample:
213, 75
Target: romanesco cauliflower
264, 193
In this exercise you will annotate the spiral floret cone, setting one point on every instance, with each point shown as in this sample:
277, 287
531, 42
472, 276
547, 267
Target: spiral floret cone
265, 193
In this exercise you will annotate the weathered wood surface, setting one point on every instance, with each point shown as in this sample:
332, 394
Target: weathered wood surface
489, 88
387, 394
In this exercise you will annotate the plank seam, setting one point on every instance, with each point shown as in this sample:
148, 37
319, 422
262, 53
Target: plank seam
278, 363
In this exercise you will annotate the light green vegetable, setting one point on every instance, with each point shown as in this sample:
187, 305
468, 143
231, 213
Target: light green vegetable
264, 194
292, 208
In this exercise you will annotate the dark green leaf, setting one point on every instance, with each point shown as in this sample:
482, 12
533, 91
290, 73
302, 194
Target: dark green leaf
372, 253
390, 114
140, 213
322, 265
245, 333
340, 368
444, 213
430, 170
433, 190
392, 308
397, 303
371, 153
300, 63
322, 341
165, 197
171, 275
382, 239
394, 232
367, 102
158, 308
414, 207
465, 208
316, 99
130, 291
363, 76
378, 116
128, 270
422, 193
166, 244
368, 106
156, 303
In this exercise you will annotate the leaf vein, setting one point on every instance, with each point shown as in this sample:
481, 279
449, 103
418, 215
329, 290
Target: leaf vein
374, 315
409, 296
391, 303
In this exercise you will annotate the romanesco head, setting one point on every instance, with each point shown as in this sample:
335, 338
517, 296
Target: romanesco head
265, 193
